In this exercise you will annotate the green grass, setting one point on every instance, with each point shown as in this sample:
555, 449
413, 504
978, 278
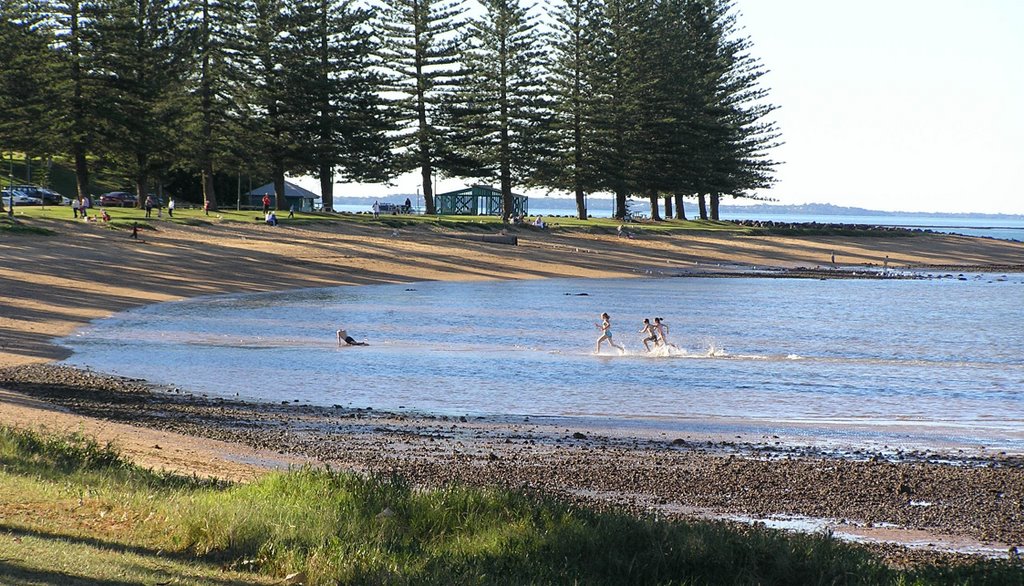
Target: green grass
74, 511
122, 218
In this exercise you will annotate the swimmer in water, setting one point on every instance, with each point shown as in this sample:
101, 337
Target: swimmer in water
344, 337
606, 334
650, 335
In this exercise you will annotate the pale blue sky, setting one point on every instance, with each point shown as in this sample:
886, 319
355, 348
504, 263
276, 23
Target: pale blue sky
912, 105
898, 105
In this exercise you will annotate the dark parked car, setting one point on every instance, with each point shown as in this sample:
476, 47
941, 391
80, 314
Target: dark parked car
19, 198
48, 196
118, 199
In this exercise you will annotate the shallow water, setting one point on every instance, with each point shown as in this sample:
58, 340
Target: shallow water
937, 362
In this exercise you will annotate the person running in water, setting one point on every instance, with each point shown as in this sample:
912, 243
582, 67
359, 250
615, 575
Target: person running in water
650, 335
661, 329
606, 334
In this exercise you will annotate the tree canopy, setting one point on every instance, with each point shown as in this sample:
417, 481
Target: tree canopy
638, 98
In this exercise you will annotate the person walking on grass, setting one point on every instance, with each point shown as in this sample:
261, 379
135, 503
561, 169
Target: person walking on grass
606, 334
170, 208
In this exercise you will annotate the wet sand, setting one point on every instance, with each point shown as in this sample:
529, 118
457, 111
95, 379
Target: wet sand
53, 285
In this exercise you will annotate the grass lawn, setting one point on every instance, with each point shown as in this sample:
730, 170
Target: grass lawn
123, 218
73, 511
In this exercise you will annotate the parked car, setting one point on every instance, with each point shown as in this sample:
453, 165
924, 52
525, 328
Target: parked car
118, 199
20, 199
47, 196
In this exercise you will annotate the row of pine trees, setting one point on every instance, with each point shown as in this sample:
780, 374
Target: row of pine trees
659, 99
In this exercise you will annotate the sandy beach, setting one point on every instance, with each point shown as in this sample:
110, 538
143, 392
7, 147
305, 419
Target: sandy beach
53, 285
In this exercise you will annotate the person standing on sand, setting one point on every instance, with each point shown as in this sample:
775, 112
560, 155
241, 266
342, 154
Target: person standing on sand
344, 337
649, 334
606, 334
135, 231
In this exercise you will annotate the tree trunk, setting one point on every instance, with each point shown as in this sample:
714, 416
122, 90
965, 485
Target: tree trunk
668, 207
282, 202
78, 122
714, 206
327, 187
206, 110
680, 211
620, 205
209, 195
141, 180
703, 205
581, 203
655, 213
81, 170
506, 195
426, 171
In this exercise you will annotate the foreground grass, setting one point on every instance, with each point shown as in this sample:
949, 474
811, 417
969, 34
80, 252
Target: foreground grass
72, 511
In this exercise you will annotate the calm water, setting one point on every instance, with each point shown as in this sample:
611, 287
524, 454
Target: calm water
870, 361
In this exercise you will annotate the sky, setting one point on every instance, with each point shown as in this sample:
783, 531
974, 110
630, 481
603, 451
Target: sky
895, 105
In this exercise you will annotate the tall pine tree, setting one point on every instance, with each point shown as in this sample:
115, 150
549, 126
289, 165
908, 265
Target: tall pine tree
138, 65
577, 59
502, 110
216, 88
733, 132
422, 48
347, 122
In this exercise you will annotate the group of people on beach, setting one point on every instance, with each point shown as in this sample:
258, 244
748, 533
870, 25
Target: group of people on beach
656, 332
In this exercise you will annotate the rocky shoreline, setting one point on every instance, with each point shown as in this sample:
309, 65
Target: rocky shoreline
978, 498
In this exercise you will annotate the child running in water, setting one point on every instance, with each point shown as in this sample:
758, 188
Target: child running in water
662, 332
606, 334
650, 334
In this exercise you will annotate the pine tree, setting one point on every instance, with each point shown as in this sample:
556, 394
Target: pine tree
501, 107
137, 65
214, 109
626, 88
735, 136
26, 67
340, 81
577, 58
422, 48
73, 82
271, 120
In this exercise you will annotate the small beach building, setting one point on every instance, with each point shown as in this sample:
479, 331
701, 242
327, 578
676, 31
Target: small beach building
303, 199
478, 200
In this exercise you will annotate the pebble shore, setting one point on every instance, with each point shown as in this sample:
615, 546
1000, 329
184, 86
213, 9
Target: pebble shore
980, 499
